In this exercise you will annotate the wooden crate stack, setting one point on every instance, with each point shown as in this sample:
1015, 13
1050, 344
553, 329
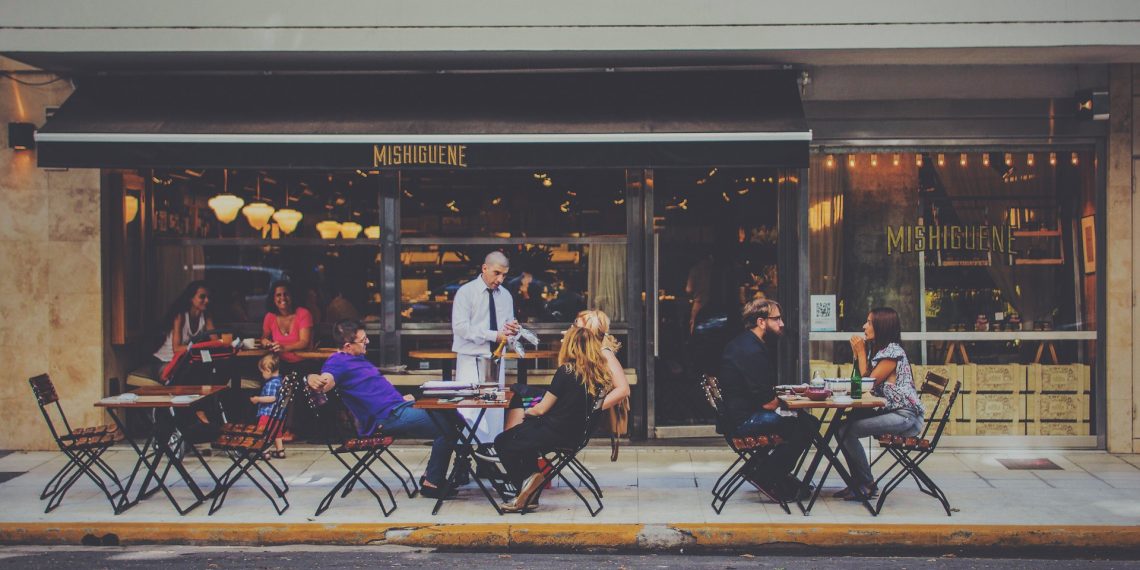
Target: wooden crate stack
1057, 401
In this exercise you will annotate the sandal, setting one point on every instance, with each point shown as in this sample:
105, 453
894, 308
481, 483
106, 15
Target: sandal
277, 454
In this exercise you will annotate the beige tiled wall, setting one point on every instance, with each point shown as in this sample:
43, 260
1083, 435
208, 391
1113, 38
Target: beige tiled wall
51, 306
1120, 275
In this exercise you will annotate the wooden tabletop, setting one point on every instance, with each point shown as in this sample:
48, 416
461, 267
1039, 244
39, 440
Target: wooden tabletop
434, 403
160, 396
448, 355
314, 354
802, 403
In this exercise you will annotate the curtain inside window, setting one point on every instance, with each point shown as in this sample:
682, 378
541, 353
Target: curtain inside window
607, 271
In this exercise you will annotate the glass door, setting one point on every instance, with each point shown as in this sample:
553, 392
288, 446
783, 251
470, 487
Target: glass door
714, 247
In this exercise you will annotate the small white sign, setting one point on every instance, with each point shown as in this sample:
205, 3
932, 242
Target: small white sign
823, 313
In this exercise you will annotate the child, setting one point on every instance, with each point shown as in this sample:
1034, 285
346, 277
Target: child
269, 367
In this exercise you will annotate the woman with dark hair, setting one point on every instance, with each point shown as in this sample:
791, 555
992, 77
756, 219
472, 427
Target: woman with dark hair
287, 328
894, 381
186, 317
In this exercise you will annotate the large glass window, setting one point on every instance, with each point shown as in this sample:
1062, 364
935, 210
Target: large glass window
988, 256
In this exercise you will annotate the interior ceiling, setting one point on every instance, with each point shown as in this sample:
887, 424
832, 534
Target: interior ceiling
339, 62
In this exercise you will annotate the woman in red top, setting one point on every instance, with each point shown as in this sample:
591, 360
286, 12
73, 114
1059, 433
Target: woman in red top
286, 328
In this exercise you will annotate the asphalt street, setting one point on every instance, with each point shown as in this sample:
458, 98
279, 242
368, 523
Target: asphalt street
309, 557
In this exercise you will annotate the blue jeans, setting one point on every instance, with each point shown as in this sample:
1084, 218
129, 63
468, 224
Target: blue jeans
797, 433
409, 421
897, 422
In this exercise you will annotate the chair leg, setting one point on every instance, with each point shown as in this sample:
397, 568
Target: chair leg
415, 486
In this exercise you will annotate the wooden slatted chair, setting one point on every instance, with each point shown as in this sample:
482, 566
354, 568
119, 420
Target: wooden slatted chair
343, 443
83, 447
751, 452
909, 452
247, 450
562, 458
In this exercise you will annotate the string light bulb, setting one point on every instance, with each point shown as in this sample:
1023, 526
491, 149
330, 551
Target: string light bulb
941, 159
985, 159
1030, 159
1009, 159
962, 159
918, 160
830, 161
895, 159
1052, 159
874, 159
850, 161
1075, 160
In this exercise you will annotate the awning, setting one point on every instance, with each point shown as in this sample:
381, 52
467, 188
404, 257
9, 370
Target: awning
521, 120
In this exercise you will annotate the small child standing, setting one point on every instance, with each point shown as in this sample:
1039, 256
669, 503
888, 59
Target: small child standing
269, 365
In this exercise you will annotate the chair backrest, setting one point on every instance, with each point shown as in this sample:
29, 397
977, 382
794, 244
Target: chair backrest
327, 417
46, 395
933, 385
945, 419
280, 410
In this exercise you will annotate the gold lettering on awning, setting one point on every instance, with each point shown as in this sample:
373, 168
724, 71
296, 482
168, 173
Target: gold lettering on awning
419, 155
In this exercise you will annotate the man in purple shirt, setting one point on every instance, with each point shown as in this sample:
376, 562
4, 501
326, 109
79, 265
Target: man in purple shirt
374, 402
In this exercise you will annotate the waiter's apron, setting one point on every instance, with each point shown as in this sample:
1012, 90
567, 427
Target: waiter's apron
492, 425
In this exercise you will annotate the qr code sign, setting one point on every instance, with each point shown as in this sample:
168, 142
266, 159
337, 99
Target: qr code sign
822, 310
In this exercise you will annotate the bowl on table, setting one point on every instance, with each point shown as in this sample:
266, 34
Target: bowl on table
799, 388
817, 394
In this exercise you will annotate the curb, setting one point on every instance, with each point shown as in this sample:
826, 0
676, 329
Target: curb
633, 537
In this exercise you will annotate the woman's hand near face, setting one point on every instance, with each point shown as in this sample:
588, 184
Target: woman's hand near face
858, 345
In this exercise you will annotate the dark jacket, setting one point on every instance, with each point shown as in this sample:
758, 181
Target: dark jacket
747, 378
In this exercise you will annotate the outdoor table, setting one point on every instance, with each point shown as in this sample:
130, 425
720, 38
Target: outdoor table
311, 354
447, 359
823, 444
157, 446
466, 438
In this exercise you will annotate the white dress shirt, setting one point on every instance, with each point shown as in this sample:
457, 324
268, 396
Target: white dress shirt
471, 317
472, 336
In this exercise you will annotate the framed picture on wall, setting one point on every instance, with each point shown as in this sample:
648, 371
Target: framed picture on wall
1088, 243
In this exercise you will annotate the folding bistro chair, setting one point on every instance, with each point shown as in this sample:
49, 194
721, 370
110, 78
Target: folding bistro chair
751, 452
343, 443
910, 452
246, 448
83, 447
561, 458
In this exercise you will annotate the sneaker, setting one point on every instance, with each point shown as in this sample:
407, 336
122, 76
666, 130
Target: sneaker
486, 453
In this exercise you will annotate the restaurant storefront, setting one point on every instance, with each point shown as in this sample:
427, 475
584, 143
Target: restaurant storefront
378, 196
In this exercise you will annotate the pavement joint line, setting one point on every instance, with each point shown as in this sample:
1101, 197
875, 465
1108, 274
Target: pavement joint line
632, 536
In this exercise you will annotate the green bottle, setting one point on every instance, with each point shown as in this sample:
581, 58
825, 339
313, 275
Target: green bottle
856, 380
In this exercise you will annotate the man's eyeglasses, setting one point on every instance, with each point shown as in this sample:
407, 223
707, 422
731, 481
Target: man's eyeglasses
775, 318
360, 341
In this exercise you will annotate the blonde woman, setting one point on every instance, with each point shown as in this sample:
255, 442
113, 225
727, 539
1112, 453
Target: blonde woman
560, 418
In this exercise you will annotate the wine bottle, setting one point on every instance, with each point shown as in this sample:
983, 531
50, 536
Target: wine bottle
856, 380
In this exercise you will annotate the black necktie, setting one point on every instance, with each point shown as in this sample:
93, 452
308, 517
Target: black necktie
494, 317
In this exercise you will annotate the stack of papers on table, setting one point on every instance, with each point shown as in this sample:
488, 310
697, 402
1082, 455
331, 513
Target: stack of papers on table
447, 385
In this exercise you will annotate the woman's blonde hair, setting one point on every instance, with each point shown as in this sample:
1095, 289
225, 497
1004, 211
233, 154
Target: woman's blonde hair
598, 322
581, 353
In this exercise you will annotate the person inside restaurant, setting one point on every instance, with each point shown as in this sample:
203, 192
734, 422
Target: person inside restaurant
286, 328
376, 404
482, 317
894, 382
560, 418
747, 383
187, 317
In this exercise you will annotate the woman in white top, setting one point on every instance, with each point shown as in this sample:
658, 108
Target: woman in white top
186, 317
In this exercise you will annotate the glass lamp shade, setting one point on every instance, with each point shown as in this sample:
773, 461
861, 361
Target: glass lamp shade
350, 230
225, 207
329, 229
257, 214
287, 219
130, 208
372, 232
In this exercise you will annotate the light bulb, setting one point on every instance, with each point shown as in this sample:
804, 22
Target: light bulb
372, 232
130, 208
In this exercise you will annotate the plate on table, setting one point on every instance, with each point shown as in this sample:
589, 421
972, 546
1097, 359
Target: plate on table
842, 399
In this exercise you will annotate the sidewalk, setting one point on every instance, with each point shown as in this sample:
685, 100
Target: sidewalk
655, 498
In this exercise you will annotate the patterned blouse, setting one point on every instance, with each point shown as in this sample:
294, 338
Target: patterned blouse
901, 395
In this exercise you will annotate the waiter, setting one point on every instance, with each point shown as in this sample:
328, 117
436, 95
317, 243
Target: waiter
482, 316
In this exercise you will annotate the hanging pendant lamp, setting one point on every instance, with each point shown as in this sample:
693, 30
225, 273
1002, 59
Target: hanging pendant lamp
287, 218
350, 230
225, 205
258, 213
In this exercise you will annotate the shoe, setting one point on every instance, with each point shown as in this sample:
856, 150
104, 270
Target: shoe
437, 492
486, 453
772, 490
528, 489
850, 494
